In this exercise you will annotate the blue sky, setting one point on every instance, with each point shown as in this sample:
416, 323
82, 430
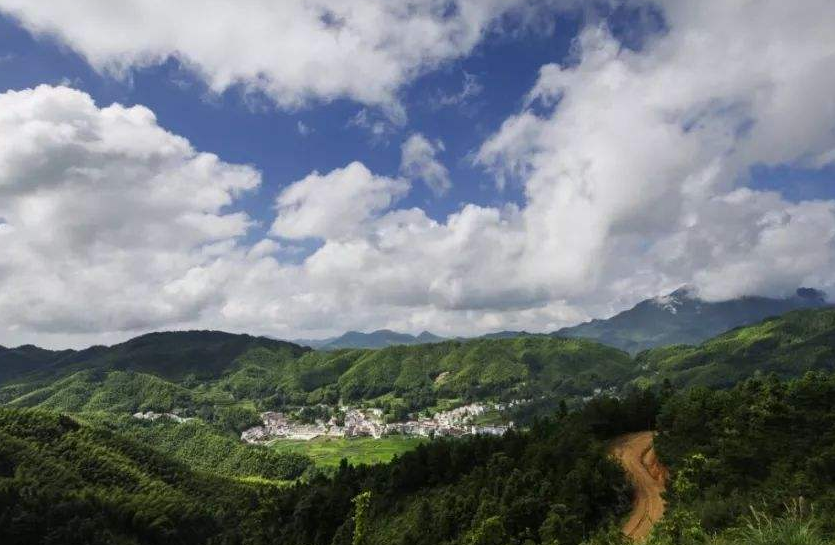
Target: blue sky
616, 126
262, 135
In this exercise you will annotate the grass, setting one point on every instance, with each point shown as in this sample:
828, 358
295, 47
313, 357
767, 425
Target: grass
491, 418
329, 451
796, 527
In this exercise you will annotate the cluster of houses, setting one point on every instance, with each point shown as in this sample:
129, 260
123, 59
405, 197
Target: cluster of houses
369, 423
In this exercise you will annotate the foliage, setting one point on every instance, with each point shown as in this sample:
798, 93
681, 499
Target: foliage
757, 444
66, 481
201, 447
790, 345
259, 378
361, 502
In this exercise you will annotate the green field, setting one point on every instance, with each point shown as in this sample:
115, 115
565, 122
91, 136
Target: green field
328, 451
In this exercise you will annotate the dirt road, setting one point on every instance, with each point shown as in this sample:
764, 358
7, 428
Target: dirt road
635, 452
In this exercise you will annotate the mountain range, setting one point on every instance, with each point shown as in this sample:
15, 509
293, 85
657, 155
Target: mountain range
376, 339
228, 378
680, 317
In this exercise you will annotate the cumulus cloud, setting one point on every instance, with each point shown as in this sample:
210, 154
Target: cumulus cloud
291, 51
634, 166
108, 218
418, 162
337, 205
633, 161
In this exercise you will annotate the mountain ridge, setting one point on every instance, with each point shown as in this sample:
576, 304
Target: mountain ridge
379, 338
171, 354
682, 317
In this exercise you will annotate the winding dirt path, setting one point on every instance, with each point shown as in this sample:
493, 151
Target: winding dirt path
648, 476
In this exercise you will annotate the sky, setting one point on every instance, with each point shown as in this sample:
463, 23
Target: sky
303, 168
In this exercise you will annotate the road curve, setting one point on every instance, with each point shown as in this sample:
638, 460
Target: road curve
635, 453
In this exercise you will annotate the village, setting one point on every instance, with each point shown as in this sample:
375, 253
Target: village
358, 422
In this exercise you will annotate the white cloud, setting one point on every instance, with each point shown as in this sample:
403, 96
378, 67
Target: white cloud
470, 89
418, 162
292, 51
633, 166
108, 217
336, 205
303, 129
632, 172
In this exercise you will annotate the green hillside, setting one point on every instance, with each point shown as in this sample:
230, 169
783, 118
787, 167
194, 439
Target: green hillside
765, 444
26, 359
275, 375
202, 447
66, 482
788, 345
248, 375
486, 366
100, 390
172, 355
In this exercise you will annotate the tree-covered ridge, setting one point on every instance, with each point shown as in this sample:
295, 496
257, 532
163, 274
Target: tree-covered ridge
788, 345
760, 444
489, 366
98, 389
66, 481
202, 447
172, 355
273, 376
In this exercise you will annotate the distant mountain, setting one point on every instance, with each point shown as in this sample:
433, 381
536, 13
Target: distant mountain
507, 335
376, 339
683, 318
171, 354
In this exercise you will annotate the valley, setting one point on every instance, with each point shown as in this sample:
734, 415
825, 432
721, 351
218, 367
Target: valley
421, 272
276, 425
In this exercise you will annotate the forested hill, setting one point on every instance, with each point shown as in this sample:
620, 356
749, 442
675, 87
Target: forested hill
400, 379
64, 481
788, 346
94, 474
681, 317
764, 444
232, 377
171, 354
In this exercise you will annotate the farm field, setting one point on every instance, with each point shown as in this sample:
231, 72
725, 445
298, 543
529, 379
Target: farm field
329, 451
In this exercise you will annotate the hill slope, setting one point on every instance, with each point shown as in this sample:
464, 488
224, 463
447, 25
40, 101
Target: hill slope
789, 346
683, 318
460, 368
142, 376
171, 354
65, 482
